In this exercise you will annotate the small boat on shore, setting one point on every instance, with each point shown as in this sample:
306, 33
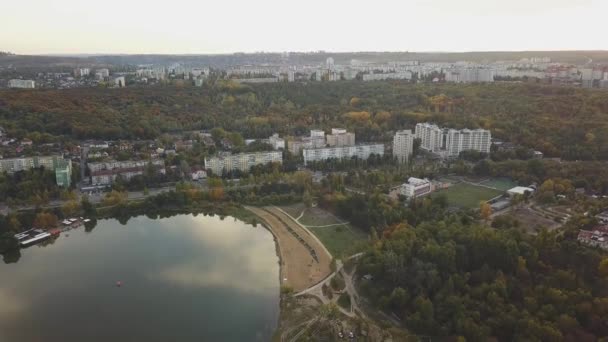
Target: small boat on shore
33, 236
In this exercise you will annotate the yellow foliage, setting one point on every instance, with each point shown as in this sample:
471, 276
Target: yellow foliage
360, 117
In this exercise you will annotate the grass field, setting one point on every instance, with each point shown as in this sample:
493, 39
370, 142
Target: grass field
503, 184
342, 240
318, 217
294, 209
468, 196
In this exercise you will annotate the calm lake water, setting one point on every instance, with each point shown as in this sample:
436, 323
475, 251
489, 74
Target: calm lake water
185, 278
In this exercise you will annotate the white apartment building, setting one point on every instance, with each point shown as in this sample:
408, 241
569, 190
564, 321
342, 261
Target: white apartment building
416, 187
340, 137
451, 142
23, 84
430, 135
62, 167
82, 72
297, 145
359, 151
405, 75
276, 142
105, 173
256, 80
403, 145
118, 81
467, 139
242, 161
469, 75
127, 164
317, 138
100, 74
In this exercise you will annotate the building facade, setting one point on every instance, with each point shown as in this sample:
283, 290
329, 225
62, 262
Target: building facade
450, 142
23, 84
430, 135
62, 167
359, 151
340, 137
416, 187
242, 161
403, 145
105, 173
276, 142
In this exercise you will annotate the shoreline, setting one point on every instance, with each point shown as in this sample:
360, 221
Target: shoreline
303, 260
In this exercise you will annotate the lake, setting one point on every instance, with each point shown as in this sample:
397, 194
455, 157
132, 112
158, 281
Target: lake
184, 278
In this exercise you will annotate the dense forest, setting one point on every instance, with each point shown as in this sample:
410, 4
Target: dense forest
451, 279
561, 122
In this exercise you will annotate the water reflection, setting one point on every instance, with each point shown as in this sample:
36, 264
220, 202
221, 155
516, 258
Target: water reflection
202, 278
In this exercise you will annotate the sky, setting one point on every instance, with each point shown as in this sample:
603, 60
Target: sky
226, 26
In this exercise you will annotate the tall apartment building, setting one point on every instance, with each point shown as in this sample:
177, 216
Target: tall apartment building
242, 161
82, 72
466, 139
431, 137
276, 142
62, 167
469, 75
295, 146
24, 84
317, 138
403, 145
340, 137
451, 141
101, 74
359, 151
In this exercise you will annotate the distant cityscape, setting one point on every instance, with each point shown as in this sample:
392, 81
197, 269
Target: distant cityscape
534, 69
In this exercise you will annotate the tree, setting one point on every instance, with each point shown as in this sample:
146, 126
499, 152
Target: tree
485, 211
45, 220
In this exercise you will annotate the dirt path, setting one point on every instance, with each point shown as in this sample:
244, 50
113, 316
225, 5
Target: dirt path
299, 269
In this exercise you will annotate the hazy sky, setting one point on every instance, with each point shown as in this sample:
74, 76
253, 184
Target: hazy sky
199, 26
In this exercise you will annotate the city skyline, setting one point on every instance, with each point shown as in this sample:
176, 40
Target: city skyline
189, 27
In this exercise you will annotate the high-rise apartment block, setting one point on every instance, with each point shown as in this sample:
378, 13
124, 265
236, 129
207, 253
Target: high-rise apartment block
403, 145
451, 142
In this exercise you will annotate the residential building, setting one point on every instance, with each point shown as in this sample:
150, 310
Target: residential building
62, 167
118, 81
102, 74
82, 72
406, 75
256, 80
276, 142
23, 84
340, 137
198, 174
430, 135
295, 146
317, 138
598, 237
457, 141
63, 173
403, 145
105, 173
469, 75
416, 187
241, 161
359, 151
450, 142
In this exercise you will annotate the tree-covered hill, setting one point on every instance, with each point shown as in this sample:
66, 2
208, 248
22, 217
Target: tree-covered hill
561, 122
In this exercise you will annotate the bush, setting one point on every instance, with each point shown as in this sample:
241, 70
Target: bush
344, 300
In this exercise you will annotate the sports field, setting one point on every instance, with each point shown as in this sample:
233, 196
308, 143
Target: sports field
465, 195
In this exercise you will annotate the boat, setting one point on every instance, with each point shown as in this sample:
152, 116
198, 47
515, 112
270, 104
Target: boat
32, 236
